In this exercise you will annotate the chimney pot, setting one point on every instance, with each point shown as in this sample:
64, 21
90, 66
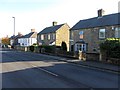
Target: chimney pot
32, 30
19, 33
54, 23
100, 12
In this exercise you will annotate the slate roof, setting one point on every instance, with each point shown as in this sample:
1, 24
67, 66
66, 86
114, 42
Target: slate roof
106, 20
12, 37
28, 35
50, 29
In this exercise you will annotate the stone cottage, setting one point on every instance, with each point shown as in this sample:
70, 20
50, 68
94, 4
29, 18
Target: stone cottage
54, 35
87, 34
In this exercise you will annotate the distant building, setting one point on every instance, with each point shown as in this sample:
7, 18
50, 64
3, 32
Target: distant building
28, 39
54, 35
87, 34
14, 39
0, 40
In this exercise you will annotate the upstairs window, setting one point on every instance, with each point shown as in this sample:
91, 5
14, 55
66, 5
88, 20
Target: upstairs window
117, 32
48, 36
53, 36
81, 34
102, 33
72, 34
42, 37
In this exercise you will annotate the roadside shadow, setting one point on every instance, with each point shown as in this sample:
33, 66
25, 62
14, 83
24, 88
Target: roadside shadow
59, 75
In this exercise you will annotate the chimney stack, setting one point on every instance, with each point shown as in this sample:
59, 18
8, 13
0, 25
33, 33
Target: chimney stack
19, 34
101, 12
32, 30
54, 23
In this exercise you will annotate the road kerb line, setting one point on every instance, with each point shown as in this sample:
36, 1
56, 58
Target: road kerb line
92, 67
45, 71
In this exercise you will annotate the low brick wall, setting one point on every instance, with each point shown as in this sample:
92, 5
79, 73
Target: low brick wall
92, 56
113, 61
22, 48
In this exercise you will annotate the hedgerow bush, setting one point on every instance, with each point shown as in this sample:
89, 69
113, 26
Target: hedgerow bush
48, 49
32, 48
64, 46
111, 47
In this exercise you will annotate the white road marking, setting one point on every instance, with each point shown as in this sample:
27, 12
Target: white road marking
46, 71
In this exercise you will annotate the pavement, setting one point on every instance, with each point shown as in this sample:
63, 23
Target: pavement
96, 64
90, 63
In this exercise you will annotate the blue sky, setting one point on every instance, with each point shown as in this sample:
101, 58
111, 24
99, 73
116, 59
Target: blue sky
26, 5
38, 14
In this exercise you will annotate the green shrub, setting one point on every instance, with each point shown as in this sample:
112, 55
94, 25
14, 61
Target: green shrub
35, 44
48, 49
112, 47
64, 46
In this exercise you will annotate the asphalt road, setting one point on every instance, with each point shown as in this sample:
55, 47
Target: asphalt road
32, 70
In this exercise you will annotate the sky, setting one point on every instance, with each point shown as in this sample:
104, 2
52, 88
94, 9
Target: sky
38, 14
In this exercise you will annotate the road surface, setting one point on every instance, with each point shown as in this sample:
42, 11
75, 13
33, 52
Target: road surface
32, 70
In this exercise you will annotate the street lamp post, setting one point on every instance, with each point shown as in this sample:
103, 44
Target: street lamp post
14, 25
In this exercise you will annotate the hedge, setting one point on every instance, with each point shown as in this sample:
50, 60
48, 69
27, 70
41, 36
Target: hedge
32, 48
48, 49
111, 47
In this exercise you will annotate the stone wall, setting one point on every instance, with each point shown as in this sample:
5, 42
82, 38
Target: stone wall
62, 35
22, 48
91, 37
92, 56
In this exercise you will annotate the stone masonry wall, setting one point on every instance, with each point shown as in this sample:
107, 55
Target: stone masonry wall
91, 37
62, 35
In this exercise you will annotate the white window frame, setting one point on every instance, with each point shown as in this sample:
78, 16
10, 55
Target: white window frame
48, 36
102, 31
117, 32
72, 34
81, 47
42, 37
53, 36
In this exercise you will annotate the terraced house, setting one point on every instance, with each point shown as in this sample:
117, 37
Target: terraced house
87, 34
54, 35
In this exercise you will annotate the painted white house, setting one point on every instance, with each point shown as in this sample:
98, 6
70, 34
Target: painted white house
28, 39
12, 39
